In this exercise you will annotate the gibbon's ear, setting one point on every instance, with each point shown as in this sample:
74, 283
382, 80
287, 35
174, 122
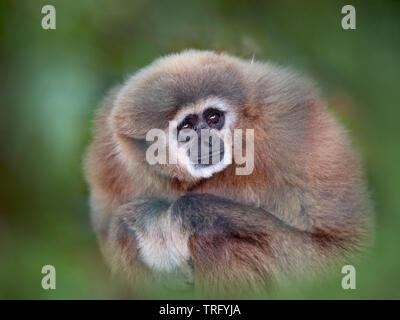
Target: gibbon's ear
133, 118
135, 123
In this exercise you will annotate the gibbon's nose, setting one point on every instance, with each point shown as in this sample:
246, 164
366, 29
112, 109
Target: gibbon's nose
210, 150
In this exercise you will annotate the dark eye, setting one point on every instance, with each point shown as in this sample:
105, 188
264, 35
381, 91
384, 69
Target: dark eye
189, 122
186, 125
214, 118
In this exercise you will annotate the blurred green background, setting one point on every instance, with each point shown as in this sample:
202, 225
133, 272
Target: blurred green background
51, 81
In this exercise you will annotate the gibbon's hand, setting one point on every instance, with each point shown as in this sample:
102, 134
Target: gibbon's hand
160, 244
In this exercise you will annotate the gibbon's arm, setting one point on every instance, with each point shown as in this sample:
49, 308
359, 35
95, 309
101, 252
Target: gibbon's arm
219, 245
234, 245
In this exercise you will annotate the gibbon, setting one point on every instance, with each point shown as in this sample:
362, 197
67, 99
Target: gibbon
304, 206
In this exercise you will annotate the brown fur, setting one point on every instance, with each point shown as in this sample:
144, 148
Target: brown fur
304, 205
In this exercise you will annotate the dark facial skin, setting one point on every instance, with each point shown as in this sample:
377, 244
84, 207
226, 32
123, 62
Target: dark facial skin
211, 118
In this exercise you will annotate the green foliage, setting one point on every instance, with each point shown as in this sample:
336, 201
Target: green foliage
51, 81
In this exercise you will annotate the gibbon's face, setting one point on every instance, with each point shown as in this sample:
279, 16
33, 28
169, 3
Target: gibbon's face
203, 143
195, 98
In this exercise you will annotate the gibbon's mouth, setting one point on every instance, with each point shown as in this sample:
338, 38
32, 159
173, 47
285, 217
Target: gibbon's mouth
213, 156
208, 161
